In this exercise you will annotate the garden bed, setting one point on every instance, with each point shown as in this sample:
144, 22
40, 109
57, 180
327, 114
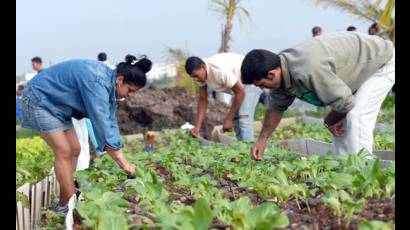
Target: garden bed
186, 185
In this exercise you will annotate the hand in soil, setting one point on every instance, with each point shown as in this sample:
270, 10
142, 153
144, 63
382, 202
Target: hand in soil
227, 127
337, 129
130, 169
195, 132
257, 150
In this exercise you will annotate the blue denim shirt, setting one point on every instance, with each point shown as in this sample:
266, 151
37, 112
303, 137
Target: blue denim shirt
81, 88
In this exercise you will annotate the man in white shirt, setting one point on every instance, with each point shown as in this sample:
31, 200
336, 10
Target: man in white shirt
222, 73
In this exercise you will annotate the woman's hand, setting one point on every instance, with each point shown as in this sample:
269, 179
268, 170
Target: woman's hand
121, 161
130, 169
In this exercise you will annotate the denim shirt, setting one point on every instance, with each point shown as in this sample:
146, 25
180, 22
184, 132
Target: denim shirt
80, 88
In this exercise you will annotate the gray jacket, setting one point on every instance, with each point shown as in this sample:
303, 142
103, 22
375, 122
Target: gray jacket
328, 69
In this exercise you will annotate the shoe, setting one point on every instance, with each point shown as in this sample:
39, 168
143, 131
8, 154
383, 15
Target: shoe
77, 193
61, 210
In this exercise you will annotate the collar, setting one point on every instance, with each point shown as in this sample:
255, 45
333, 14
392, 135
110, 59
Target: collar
114, 78
285, 72
208, 70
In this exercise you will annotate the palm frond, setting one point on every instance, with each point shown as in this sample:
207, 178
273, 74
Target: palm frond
177, 54
370, 10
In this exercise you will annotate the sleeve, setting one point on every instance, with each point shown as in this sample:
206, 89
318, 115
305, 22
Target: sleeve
330, 89
228, 78
279, 101
97, 104
200, 84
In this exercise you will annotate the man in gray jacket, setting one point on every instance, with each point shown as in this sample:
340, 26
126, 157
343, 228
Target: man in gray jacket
350, 72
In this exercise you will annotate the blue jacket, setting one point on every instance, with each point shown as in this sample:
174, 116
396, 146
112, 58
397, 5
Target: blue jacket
18, 111
81, 88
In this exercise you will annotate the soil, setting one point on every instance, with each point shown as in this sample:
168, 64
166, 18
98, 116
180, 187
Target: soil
319, 217
156, 108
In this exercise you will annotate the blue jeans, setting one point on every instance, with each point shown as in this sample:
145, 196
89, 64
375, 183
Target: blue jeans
243, 120
38, 118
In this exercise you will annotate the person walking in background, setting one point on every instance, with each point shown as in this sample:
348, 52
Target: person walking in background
351, 72
351, 28
19, 91
37, 64
102, 57
374, 29
316, 31
80, 88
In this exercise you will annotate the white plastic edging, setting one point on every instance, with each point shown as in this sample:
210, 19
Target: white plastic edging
39, 195
311, 147
69, 220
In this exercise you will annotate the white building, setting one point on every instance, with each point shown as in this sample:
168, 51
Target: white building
162, 70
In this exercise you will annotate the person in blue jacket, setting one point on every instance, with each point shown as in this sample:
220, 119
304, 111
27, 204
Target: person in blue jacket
19, 91
80, 88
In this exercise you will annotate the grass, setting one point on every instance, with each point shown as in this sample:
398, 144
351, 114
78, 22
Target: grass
25, 133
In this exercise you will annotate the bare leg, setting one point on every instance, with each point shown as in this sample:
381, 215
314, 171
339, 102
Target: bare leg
60, 145
75, 147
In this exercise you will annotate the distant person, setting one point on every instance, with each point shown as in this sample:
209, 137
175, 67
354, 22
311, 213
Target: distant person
350, 72
19, 91
36, 63
102, 57
80, 88
351, 28
374, 29
316, 31
221, 73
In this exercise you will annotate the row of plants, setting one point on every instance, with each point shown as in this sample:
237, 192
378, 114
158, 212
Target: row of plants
385, 116
34, 160
382, 140
184, 185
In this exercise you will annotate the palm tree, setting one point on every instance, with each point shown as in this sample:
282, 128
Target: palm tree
228, 9
370, 10
183, 79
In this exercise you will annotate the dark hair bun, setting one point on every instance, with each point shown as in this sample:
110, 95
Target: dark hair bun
130, 58
144, 64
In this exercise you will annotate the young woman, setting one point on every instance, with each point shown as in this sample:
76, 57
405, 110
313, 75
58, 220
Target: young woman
77, 89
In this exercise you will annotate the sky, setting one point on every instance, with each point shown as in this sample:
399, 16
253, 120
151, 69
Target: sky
59, 30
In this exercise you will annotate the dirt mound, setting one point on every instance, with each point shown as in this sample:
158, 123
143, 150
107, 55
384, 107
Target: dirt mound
156, 108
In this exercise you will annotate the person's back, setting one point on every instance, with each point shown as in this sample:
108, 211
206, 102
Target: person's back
226, 62
59, 84
353, 56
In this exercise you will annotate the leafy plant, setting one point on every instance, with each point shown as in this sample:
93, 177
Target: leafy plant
376, 225
34, 160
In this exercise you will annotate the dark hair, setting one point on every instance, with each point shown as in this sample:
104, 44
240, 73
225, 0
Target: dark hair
257, 64
102, 56
316, 30
134, 70
20, 87
351, 28
374, 29
36, 60
193, 63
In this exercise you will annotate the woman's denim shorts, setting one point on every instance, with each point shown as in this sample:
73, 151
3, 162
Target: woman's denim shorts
38, 118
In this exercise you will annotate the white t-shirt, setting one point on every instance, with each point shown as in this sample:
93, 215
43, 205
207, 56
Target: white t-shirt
224, 70
107, 63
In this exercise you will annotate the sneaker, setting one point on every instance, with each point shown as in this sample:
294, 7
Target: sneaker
76, 184
77, 193
61, 210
